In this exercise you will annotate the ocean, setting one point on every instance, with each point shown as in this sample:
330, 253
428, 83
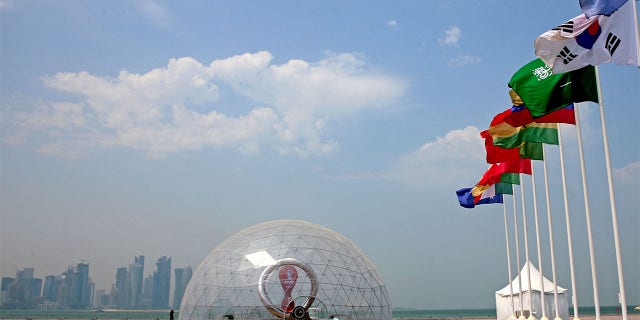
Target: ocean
403, 313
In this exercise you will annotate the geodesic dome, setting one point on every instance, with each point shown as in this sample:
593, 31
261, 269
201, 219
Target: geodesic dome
286, 269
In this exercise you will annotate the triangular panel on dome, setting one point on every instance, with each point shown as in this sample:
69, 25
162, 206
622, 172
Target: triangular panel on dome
291, 263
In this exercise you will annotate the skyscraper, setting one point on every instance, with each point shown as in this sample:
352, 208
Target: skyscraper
80, 293
120, 288
23, 290
183, 276
49, 291
134, 283
161, 283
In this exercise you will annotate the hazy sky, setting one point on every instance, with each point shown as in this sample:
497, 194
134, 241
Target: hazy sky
162, 128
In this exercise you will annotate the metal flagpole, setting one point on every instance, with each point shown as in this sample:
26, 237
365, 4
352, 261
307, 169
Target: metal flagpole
574, 294
585, 191
506, 238
535, 215
526, 245
515, 225
635, 24
550, 226
612, 200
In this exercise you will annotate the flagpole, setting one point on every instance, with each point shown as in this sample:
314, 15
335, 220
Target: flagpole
574, 294
550, 226
506, 238
635, 23
612, 200
585, 191
526, 246
535, 215
515, 225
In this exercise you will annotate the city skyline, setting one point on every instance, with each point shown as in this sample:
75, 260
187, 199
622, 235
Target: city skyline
74, 288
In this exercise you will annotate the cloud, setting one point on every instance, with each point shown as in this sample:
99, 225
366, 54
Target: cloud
5, 5
392, 23
177, 107
454, 158
452, 36
629, 173
463, 60
153, 11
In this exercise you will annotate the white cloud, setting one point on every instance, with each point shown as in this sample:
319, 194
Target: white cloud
452, 36
463, 60
455, 158
153, 11
628, 173
5, 5
392, 23
160, 112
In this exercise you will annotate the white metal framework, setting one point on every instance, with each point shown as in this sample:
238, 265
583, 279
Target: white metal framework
264, 271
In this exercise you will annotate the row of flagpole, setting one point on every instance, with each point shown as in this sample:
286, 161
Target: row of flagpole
559, 57
569, 232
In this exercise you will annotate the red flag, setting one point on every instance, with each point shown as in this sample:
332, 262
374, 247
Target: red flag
497, 154
492, 175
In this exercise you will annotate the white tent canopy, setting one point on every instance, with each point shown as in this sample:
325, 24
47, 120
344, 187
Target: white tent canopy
503, 296
535, 282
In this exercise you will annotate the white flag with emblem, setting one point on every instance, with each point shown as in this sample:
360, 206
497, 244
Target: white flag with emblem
580, 41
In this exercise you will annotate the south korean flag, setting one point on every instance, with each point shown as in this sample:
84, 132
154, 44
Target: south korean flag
584, 41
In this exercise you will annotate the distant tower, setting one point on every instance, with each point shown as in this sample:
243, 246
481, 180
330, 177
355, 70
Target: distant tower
80, 295
134, 283
49, 288
139, 260
147, 291
161, 284
183, 276
120, 288
178, 289
24, 290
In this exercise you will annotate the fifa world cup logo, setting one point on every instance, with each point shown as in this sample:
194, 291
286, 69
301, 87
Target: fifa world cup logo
287, 269
288, 276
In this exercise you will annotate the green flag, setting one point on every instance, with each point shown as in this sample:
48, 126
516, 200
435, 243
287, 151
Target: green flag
511, 178
533, 132
531, 150
504, 188
543, 92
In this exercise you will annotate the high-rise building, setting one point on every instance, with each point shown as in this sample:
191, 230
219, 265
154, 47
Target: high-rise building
134, 286
161, 283
182, 278
178, 290
80, 290
139, 260
4, 286
23, 292
49, 291
120, 297
147, 291
63, 288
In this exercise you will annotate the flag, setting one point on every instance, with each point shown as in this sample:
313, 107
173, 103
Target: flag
495, 154
520, 116
494, 174
469, 201
507, 136
510, 178
543, 91
481, 191
596, 7
584, 41
531, 150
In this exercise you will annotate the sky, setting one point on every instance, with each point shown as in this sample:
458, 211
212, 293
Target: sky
162, 128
